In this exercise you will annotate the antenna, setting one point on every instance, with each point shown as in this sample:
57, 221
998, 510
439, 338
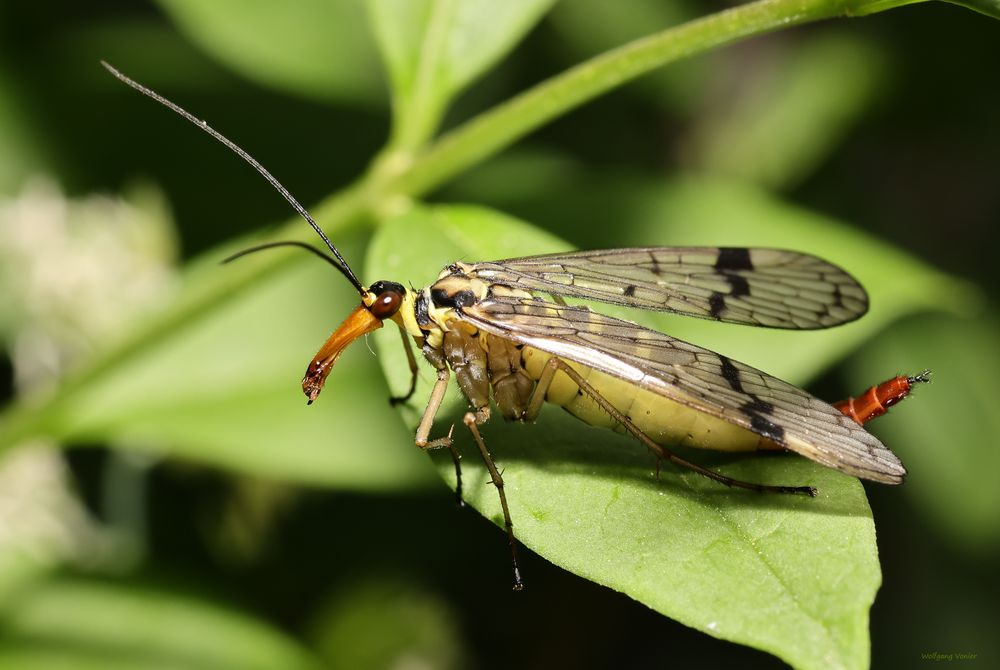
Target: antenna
286, 243
343, 266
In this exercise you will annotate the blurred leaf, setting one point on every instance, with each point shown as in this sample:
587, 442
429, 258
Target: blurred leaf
224, 389
81, 624
719, 213
520, 174
988, 7
23, 151
946, 435
43, 522
789, 575
586, 28
115, 254
782, 115
434, 48
382, 621
316, 48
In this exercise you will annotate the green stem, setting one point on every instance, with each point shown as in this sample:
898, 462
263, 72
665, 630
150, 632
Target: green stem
500, 127
418, 112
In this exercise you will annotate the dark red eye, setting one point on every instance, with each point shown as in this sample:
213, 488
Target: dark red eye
389, 296
386, 304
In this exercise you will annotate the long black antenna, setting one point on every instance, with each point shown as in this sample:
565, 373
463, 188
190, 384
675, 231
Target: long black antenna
286, 243
344, 267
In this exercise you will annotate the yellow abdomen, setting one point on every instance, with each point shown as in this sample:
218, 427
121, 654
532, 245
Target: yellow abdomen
666, 421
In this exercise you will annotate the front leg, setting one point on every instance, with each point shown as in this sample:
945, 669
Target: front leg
463, 351
412, 361
427, 422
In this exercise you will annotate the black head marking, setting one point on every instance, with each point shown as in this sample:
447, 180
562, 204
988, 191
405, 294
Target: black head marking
383, 286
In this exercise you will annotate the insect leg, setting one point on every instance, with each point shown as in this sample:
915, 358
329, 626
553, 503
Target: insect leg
427, 421
411, 359
472, 421
541, 388
658, 449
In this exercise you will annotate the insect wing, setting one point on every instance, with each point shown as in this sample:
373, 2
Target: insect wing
760, 287
695, 377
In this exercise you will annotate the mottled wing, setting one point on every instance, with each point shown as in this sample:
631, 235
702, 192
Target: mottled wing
760, 287
695, 377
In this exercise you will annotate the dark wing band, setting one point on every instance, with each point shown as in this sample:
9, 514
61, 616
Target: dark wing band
760, 287
695, 377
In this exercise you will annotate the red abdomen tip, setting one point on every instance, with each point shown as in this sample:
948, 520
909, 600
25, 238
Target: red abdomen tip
877, 400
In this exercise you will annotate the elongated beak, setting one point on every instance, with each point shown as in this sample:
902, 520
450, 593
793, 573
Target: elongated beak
360, 322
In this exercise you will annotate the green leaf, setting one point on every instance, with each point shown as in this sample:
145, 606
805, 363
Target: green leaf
497, 128
82, 624
946, 434
432, 49
24, 152
790, 110
350, 630
988, 7
585, 28
789, 575
223, 389
316, 48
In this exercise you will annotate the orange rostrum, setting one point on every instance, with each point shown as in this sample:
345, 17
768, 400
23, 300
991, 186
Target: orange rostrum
360, 322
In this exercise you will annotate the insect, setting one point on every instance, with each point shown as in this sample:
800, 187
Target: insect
490, 326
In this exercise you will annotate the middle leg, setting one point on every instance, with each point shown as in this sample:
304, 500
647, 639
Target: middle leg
472, 421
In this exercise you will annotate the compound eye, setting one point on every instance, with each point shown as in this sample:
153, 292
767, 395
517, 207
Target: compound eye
386, 304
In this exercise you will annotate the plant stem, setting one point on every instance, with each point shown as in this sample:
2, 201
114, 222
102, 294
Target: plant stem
494, 130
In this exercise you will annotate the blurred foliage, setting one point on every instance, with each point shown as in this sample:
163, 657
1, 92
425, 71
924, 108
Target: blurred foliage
776, 117
211, 487
432, 50
79, 623
953, 458
316, 48
351, 630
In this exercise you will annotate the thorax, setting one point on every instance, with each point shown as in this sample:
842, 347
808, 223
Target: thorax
483, 364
